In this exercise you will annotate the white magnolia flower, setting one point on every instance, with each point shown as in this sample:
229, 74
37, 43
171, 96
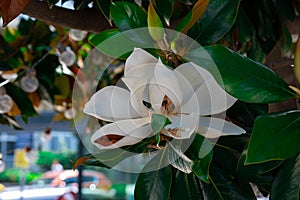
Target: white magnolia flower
185, 95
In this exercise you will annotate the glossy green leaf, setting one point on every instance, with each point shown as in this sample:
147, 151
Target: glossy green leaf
247, 171
216, 21
154, 21
113, 43
127, 15
185, 186
154, 184
158, 122
21, 99
164, 9
193, 16
274, 137
201, 153
287, 182
224, 187
243, 78
245, 113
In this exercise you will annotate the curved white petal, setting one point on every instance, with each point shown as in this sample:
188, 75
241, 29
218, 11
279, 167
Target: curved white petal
211, 127
140, 64
182, 127
208, 95
110, 104
167, 82
138, 93
190, 79
122, 133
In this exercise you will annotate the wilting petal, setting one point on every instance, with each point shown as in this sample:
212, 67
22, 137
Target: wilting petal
166, 80
140, 64
110, 104
211, 127
209, 96
182, 127
122, 133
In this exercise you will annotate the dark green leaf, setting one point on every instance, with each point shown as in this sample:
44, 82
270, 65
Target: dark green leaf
158, 122
21, 99
243, 78
155, 184
244, 26
201, 153
255, 52
287, 182
216, 21
274, 137
224, 187
127, 15
255, 169
185, 187
266, 20
246, 113
165, 9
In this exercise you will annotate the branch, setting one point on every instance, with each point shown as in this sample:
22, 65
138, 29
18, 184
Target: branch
91, 20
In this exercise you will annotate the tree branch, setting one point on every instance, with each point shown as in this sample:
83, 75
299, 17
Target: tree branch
90, 20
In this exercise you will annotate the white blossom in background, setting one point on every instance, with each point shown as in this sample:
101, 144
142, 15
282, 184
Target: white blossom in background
186, 95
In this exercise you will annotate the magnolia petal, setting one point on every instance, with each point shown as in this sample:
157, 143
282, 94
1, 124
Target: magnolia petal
190, 78
211, 127
110, 104
122, 133
140, 64
210, 98
166, 80
182, 127
138, 93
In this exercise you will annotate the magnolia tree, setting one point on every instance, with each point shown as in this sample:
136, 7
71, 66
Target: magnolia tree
176, 91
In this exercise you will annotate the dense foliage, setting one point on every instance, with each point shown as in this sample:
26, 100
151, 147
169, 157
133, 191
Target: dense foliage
237, 35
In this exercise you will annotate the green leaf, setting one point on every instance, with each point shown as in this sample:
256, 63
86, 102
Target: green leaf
120, 44
244, 26
246, 171
274, 137
255, 52
185, 187
193, 16
113, 43
158, 122
224, 187
216, 21
243, 78
21, 99
127, 15
246, 113
201, 153
154, 21
155, 184
287, 182
164, 9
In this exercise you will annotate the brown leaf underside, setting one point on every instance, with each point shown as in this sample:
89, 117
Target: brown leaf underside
10, 9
